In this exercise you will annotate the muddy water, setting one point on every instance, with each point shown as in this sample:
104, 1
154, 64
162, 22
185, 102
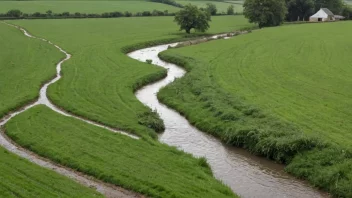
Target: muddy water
247, 175
106, 189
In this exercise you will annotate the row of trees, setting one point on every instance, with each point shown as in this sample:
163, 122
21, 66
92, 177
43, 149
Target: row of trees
274, 12
50, 14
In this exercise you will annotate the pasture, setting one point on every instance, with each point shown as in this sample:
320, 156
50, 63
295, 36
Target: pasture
84, 6
22, 75
221, 6
276, 100
21, 178
147, 167
99, 81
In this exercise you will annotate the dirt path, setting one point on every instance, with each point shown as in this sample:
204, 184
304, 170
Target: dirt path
108, 190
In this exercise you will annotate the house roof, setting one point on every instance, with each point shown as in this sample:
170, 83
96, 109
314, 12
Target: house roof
327, 11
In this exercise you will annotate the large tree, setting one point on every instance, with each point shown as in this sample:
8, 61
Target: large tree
300, 9
190, 17
336, 6
265, 12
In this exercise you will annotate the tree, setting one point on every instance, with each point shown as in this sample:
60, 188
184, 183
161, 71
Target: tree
14, 13
265, 13
230, 10
211, 8
190, 17
49, 13
300, 9
336, 6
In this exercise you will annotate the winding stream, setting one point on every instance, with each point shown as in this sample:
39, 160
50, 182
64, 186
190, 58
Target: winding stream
108, 190
246, 174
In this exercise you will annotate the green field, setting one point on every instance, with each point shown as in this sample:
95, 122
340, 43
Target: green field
20, 79
84, 6
98, 82
221, 6
22, 75
21, 178
276, 100
147, 167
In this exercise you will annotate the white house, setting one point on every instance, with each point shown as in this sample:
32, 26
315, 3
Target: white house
323, 14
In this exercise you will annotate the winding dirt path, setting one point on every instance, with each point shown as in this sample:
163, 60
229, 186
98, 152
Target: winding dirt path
108, 190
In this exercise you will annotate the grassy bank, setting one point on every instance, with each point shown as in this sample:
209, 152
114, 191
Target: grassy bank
151, 168
288, 101
99, 80
25, 64
21, 178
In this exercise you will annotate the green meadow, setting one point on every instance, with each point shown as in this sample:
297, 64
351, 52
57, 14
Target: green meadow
84, 6
99, 80
21, 178
22, 75
20, 79
147, 167
221, 6
280, 92
98, 83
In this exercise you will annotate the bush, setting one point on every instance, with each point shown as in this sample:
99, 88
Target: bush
14, 13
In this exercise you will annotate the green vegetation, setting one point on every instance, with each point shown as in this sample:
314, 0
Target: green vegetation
99, 80
289, 101
190, 17
97, 7
147, 167
221, 6
265, 14
21, 178
22, 75
20, 78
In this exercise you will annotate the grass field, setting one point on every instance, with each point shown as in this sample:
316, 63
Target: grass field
276, 100
21, 178
22, 75
147, 167
221, 6
84, 6
20, 80
98, 82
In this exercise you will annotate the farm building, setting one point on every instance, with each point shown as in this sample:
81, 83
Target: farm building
323, 14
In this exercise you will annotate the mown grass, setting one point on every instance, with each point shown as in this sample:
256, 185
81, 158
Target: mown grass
21, 178
289, 101
221, 6
99, 80
97, 7
25, 64
147, 167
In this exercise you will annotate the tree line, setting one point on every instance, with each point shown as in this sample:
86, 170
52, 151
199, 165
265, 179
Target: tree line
275, 12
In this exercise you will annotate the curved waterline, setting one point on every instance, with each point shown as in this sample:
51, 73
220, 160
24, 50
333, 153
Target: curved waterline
109, 190
246, 174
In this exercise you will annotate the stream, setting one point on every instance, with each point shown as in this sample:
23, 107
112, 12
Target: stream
247, 175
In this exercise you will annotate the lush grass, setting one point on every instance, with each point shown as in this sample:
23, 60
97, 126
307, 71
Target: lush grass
289, 101
98, 82
221, 6
147, 167
21, 178
24, 64
84, 6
